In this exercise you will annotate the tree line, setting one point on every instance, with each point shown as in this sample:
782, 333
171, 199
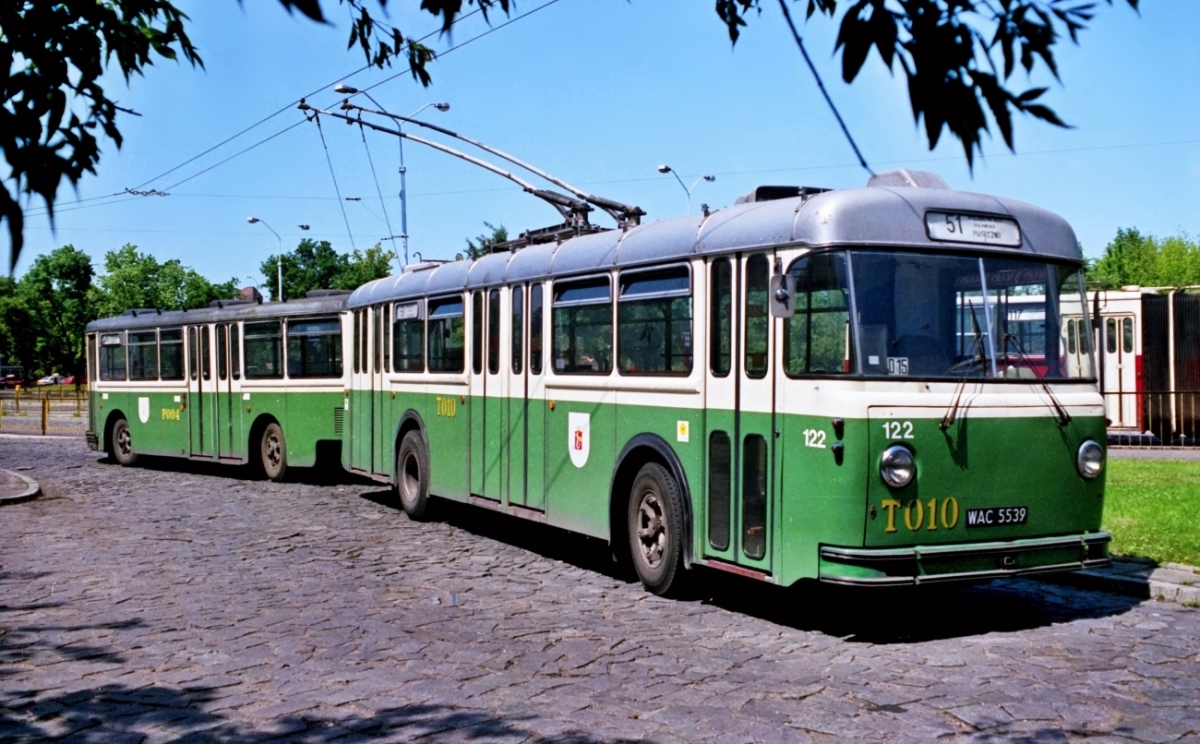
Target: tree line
43, 314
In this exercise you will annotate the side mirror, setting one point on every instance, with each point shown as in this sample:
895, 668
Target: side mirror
783, 290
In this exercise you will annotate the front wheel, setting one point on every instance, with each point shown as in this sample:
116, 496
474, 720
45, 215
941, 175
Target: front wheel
412, 475
122, 444
273, 450
656, 528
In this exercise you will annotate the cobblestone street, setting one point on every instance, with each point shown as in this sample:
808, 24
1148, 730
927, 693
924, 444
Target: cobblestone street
150, 604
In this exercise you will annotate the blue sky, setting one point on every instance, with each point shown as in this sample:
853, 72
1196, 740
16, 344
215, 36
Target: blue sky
599, 93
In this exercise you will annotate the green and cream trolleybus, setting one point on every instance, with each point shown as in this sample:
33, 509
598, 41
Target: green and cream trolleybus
809, 384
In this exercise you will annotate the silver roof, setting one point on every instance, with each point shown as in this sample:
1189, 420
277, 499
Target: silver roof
240, 311
890, 213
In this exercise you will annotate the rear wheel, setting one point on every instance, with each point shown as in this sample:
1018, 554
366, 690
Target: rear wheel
656, 528
273, 450
121, 447
412, 475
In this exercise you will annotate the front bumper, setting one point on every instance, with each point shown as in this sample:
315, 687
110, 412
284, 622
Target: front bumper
973, 562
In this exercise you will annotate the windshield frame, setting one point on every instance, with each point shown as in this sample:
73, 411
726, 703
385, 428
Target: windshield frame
992, 348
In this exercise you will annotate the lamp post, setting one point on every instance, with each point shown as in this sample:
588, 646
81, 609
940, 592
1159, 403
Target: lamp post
664, 169
350, 90
279, 254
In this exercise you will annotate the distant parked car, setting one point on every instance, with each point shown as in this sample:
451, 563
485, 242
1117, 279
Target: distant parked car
51, 380
69, 380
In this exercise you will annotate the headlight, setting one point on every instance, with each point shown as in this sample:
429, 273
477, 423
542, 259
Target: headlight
1090, 459
897, 466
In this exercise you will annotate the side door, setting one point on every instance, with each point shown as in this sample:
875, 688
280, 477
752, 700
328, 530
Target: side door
739, 413
1120, 373
201, 403
228, 391
360, 393
381, 438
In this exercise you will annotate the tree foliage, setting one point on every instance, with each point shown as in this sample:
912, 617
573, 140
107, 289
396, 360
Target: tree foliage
957, 56
55, 54
44, 313
316, 265
42, 316
1133, 258
482, 244
132, 280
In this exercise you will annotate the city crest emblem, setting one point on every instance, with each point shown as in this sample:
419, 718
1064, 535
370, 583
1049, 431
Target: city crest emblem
143, 410
578, 438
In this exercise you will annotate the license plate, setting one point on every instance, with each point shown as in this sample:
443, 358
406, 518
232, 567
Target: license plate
997, 516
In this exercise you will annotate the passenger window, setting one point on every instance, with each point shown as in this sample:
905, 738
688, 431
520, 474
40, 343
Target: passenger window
193, 354
205, 353
314, 348
1127, 333
112, 356
477, 333
535, 330
93, 358
757, 318
720, 462
754, 496
264, 351
1110, 334
170, 353
235, 348
446, 329
143, 355
493, 332
356, 319
654, 323
582, 327
408, 338
1071, 336
817, 338
720, 299
518, 329
222, 351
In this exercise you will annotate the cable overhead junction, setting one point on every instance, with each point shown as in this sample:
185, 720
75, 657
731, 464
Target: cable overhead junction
573, 209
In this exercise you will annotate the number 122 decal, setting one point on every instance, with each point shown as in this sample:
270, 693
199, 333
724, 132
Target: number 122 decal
898, 429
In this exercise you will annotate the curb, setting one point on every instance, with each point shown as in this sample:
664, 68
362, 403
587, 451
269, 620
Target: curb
1169, 582
30, 491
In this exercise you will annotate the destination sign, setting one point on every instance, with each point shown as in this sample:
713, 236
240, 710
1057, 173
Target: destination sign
973, 228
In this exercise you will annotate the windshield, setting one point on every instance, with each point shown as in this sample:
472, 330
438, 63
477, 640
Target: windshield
929, 316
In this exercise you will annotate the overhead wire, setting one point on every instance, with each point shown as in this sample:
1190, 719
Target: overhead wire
338, 191
267, 118
362, 131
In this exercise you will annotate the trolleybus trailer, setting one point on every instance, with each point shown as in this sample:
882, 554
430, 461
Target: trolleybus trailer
237, 382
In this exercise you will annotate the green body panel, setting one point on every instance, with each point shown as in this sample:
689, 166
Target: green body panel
447, 427
823, 502
577, 497
985, 462
536, 414
172, 428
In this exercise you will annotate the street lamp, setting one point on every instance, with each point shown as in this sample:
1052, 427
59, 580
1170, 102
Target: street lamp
664, 169
279, 254
350, 90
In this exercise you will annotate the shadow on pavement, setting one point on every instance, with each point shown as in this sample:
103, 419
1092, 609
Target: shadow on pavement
120, 713
323, 474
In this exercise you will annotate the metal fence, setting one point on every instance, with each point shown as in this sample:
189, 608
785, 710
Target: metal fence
1167, 419
53, 409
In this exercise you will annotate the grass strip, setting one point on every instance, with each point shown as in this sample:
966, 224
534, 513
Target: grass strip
1152, 507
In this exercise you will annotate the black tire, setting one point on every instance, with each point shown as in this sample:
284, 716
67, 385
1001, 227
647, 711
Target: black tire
272, 451
412, 475
656, 528
121, 444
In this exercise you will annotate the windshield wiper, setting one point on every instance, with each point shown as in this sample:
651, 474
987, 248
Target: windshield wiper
1060, 412
952, 411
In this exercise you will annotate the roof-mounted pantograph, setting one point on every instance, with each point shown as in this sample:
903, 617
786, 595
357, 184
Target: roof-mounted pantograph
573, 209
